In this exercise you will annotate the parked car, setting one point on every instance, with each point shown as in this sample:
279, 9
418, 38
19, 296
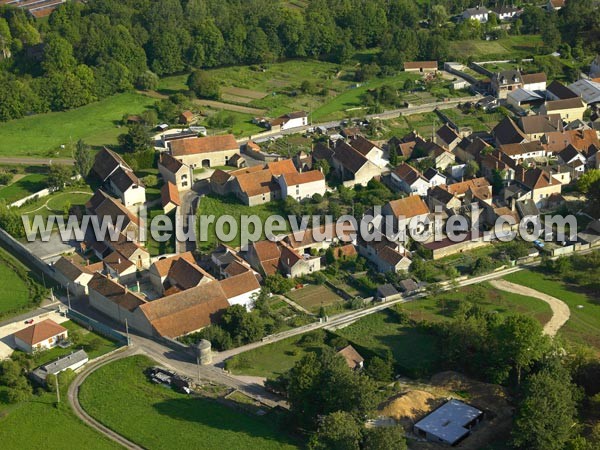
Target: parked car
29, 321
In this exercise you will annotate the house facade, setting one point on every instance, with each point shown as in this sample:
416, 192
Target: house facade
209, 151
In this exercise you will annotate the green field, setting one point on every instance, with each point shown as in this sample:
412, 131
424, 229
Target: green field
19, 292
584, 324
414, 350
274, 359
212, 205
443, 306
38, 423
55, 203
120, 396
42, 135
312, 297
27, 185
507, 48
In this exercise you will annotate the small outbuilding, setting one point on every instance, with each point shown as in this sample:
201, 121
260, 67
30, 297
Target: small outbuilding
352, 357
450, 423
71, 361
386, 292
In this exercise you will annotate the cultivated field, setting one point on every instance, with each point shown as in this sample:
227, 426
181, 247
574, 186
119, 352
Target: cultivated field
156, 417
312, 297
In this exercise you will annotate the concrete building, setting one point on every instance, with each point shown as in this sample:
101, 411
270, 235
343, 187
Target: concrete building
569, 110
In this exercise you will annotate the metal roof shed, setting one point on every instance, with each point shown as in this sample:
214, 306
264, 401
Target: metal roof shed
450, 423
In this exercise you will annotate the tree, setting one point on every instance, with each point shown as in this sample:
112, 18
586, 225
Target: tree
439, 15
136, 139
84, 160
320, 385
546, 414
393, 156
521, 342
338, 431
147, 81
472, 169
585, 181
241, 325
59, 176
384, 438
380, 369
203, 85
324, 166
278, 284
58, 55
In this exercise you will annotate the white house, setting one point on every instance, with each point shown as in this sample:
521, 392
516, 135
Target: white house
40, 336
434, 177
369, 150
128, 187
507, 12
410, 180
302, 185
241, 289
534, 81
74, 276
292, 120
478, 13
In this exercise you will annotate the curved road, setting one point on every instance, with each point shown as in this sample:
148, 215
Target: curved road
73, 397
560, 310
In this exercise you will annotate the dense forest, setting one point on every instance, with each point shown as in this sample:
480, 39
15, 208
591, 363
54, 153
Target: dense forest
86, 51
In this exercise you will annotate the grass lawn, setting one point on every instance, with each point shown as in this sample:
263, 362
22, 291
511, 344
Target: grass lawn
55, 203
212, 205
584, 324
272, 360
156, 417
506, 48
19, 291
442, 307
42, 135
414, 351
312, 297
29, 184
38, 423
152, 245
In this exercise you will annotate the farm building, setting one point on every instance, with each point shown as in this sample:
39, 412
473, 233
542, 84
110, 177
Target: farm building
421, 66
72, 361
450, 423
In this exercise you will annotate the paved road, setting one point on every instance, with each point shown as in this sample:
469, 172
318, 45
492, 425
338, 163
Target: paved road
560, 310
73, 397
37, 161
345, 319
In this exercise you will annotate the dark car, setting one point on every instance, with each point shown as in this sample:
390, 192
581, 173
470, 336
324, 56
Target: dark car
29, 321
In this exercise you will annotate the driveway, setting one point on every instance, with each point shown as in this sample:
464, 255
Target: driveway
7, 342
560, 310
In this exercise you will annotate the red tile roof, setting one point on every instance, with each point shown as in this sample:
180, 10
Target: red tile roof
206, 144
39, 332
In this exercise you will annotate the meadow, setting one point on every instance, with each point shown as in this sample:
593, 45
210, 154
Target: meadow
584, 324
19, 291
42, 135
157, 417
212, 205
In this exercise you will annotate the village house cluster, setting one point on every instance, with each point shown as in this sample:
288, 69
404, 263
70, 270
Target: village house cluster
516, 171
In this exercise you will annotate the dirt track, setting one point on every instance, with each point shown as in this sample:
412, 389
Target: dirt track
560, 310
